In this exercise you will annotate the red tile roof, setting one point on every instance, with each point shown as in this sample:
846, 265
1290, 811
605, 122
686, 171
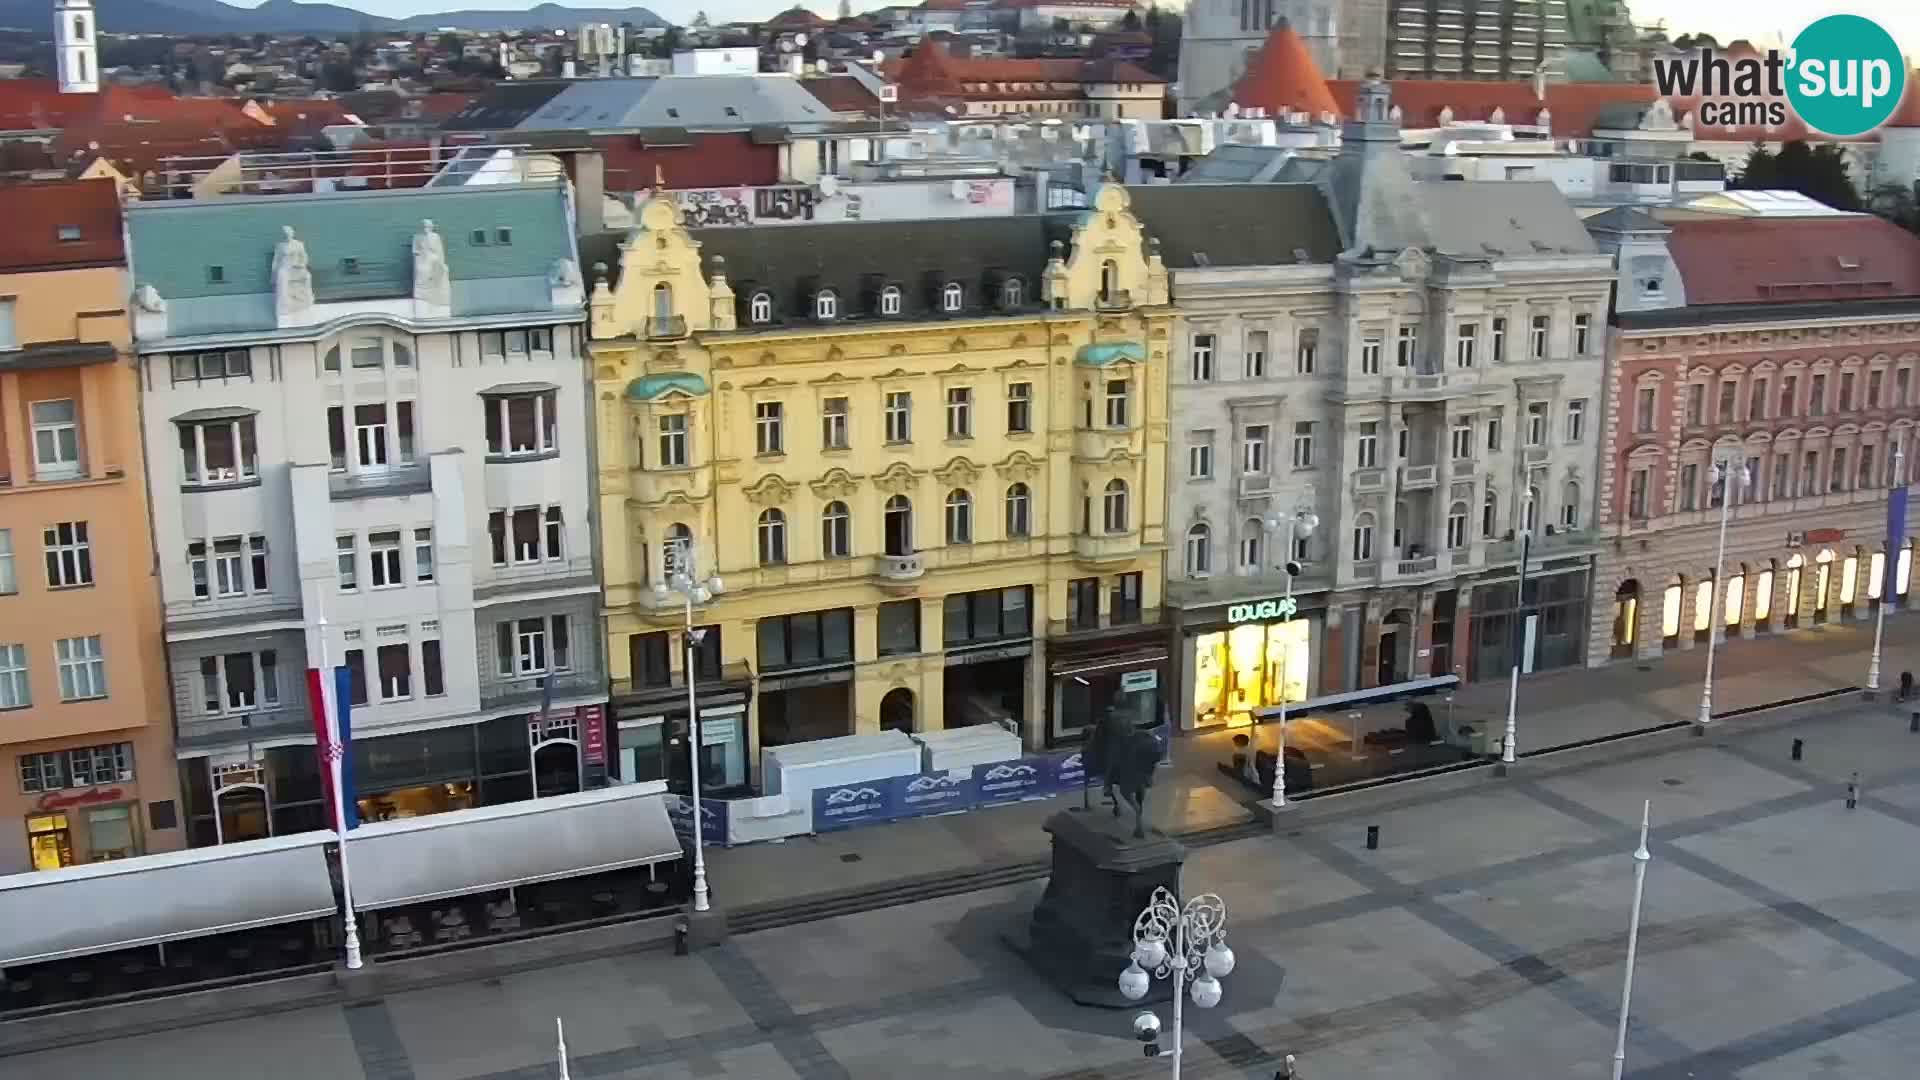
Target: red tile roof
1794, 259
1283, 77
842, 93
933, 72
39, 211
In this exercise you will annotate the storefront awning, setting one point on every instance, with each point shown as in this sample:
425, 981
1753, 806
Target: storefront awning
99, 907
1355, 698
497, 847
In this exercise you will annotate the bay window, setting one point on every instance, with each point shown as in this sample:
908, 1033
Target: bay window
522, 424
533, 646
218, 450
240, 682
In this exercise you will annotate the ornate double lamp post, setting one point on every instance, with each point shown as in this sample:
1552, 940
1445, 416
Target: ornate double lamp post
1187, 943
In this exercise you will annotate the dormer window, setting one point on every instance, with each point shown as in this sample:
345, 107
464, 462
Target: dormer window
68, 234
890, 300
952, 297
760, 308
825, 305
1013, 293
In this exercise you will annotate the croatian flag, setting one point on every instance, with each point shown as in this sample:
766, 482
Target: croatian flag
343, 737
1896, 539
322, 736
327, 736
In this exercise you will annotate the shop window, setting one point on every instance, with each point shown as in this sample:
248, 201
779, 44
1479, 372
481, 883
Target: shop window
1703, 593
987, 615
1626, 618
49, 841
1252, 666
807, 639
110, 833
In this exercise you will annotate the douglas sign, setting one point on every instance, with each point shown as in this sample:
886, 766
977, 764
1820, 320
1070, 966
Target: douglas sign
1263, 610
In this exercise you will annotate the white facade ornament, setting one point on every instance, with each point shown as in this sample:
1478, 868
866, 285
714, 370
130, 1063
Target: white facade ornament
430, 282
292, 279
148, 299
564, 275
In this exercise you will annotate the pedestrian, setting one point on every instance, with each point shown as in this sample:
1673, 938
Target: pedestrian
1906, 685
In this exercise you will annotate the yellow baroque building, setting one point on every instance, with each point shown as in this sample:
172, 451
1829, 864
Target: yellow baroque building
926, 461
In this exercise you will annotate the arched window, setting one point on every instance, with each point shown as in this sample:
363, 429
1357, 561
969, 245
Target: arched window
1457, 526
825, 304
959, 517
1019, 512
952, 297
1114, 507
773, 537
836, 541
1252, 540
81, 60
1362, 537
1703, 608
1763, 595
1626, 618
1199, 551
1670, 613
760, 308
662, 302
899, 525
1490, 514
80, 34
1570, 505
1794, 571
1013, 293
890, 300
1735, 601
1109, 281
676, 551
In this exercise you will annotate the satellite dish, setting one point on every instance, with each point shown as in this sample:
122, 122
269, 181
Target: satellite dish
829, 185
786, 45
800, 39
821, 66
958, 189
1233, 110
878, 57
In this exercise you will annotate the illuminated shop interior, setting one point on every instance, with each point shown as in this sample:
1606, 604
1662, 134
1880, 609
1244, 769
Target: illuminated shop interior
1249, 667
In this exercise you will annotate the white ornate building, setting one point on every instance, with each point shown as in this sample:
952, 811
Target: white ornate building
75, 55
369, 444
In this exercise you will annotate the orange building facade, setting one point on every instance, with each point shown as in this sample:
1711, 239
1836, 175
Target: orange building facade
86, 729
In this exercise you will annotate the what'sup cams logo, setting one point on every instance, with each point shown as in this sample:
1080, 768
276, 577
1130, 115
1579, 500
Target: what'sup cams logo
1843, 76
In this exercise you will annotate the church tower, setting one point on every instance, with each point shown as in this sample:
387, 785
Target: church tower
73, 44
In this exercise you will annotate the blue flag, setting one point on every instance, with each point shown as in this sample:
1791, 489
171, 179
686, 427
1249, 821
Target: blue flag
1896, 538
343, 706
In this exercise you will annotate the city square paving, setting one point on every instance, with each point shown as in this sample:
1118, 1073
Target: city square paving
1484, 938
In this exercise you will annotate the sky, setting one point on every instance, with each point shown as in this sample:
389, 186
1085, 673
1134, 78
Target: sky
1724, 19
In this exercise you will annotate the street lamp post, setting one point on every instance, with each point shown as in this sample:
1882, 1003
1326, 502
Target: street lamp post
1889, 571
1300, 523
329, 699
1729, 477
1519, 636
1171, 940
684, 582
1641, 856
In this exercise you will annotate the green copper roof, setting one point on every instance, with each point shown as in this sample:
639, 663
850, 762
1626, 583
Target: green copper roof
1111, 353
649, 387
359, 244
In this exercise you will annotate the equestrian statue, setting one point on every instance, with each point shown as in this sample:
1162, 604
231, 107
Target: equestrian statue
1125, 759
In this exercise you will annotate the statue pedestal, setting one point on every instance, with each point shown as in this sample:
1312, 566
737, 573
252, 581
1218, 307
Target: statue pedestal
1081, 935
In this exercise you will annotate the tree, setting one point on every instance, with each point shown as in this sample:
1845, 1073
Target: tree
1818, 172
667, 43
700, 20
448, 45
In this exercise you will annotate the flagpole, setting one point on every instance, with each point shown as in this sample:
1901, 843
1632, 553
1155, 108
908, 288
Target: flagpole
1889, 564
329, 695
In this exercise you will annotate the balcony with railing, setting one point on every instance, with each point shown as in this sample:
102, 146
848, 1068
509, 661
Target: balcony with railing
900, 569
277, 721
1112, 547
1419, 477
1369, 480
528, 692
1552, 542
666, 327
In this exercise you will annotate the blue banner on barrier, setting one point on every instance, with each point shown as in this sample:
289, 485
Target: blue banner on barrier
855, 804
934, 793
713, 819
1067, 772
1010, 781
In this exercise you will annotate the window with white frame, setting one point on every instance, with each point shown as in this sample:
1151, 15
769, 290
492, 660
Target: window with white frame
1363, 537
1370, 350
1199, 551
1306, 351
1367, 454
1201, 369
1490, 514
1460, 438
1303, 444
346, 562
82, 766
1253, 448
384, 560
1537, 342
769, 427
394, 663
1114, 507
899, 417
238, 566
675, 548
56, 439
1019, 408
494, 345
834, 423
379, 439
826, 304
1577, 420
1536, 423
760, 308
673, 441
1117, 410
1464, 341
1013, 293
1493, 432
953, 297
959, 517
890, 300
836, 531
1407, 346
1200, 456
9, 577
1570, 505
1253, 542
69, 554
201, 367
16, 686
1457, 526
1644, 403
218, 451
423, 554
1256, 357
772, 534
522, 425
1582, 334
1019, 511
83, 668
533, 646
1497, 341
959, 412
240, 682
526, 534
